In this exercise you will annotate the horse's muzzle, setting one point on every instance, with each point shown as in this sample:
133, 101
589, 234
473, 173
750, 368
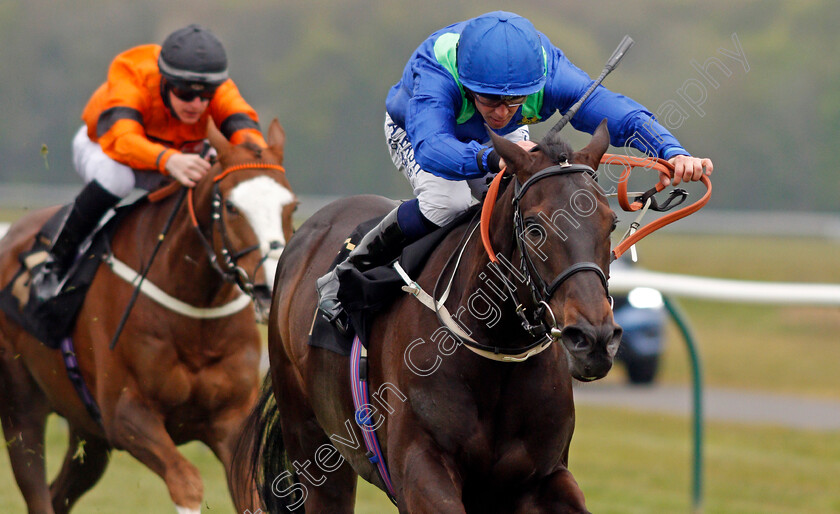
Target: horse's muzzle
590, 349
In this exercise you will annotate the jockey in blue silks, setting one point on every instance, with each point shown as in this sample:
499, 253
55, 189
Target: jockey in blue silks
498, 70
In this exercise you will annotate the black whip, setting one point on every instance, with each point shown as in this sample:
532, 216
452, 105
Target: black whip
612, 63
148, 266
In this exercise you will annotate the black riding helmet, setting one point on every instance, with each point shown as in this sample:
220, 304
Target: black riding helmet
192, 58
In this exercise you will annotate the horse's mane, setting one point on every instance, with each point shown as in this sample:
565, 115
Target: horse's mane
556, 148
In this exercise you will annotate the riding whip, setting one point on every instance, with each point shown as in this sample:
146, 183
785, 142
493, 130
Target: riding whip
611, 64
136, 292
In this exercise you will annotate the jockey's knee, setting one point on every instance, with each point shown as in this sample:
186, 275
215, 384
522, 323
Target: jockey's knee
118, 183
92, 163
440, 210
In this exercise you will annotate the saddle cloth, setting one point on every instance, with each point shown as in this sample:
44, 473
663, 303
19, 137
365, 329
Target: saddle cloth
51, 320
364, 294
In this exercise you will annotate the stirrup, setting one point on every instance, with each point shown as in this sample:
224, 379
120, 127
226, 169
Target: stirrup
328, 304
332, 311
47, 280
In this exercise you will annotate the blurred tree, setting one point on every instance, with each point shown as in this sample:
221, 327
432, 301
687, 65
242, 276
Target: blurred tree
324, 67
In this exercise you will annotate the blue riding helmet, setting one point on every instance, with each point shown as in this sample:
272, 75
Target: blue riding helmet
500, 53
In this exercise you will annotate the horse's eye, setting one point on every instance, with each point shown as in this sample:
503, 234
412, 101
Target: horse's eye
533, 230
231, 208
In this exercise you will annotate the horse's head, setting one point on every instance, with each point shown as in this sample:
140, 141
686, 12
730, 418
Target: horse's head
252, 205
562, 227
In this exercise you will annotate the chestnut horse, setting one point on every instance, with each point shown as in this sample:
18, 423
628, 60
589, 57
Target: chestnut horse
184, 369
460, 432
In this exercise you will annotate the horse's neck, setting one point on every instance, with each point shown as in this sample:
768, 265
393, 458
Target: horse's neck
183, 263
483, 288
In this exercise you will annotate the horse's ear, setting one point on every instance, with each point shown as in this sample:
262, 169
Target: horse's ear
276, 135
591, 154
217, 139
516, 158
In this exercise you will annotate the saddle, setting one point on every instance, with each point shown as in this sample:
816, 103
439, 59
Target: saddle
52, 319
365, 294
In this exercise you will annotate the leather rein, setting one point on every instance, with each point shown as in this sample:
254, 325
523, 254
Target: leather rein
540, 290
229, 270
644, 200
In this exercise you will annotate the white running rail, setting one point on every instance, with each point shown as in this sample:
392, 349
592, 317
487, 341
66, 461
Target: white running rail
745, 291
622, 281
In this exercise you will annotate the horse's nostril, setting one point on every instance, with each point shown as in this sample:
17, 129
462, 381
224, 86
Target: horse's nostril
576, 339
614, 342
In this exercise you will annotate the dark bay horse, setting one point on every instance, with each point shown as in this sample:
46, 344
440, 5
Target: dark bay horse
459, 432
187, 363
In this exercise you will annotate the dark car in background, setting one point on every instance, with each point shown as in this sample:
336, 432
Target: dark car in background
641, 313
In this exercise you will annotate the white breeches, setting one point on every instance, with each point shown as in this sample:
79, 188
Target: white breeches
92, 164
441, 200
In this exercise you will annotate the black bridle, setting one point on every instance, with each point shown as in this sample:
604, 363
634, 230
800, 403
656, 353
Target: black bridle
231, 272
540, 291
229, 269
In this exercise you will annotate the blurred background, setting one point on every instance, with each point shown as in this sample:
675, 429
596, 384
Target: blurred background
752, 84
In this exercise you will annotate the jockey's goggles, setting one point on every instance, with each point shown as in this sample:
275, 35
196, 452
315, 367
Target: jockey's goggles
495, 101
188, 95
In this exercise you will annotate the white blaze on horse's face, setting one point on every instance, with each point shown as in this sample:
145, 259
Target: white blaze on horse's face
261, 201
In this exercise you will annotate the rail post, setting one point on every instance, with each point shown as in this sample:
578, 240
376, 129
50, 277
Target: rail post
697, 399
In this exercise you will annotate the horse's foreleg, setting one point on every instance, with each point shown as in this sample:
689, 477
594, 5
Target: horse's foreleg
24, 410
240, 482
427, 481
558, 493
84, 463
142, 433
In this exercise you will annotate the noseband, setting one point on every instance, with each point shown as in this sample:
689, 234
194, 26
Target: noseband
540, 291
230, 271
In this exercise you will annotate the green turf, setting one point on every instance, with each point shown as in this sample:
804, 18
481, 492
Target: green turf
9, 215
780, 348
625, 462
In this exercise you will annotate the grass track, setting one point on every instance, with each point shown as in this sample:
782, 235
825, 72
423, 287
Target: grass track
625, 462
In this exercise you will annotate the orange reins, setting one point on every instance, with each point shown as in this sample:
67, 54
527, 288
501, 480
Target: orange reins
660, 165
226, 172
487, 211
173, 187
663, 167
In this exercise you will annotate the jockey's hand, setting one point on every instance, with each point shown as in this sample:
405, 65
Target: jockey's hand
187, 168
526, 145
687, 169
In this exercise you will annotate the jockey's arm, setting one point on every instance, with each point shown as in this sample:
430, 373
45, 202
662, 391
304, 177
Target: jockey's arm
629, 122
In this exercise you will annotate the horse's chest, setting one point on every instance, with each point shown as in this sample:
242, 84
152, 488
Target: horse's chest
203, 389
504, 439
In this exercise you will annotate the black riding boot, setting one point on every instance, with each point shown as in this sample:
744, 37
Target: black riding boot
88, 208
382, 244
